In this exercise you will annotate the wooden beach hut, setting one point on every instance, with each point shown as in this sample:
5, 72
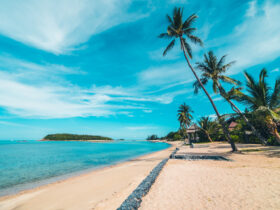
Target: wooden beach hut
192, 133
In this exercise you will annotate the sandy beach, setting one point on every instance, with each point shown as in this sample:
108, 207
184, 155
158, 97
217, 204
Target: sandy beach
250, 181
105, 188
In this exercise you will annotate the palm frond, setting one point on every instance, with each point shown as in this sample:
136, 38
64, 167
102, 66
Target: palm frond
229, 80
184, 115
165, 35
265, 111
195, 39
262, 75
169, 47
221, 61
229, 115
190, 20
251, 83
169, 19
203, 67
171, 31
223, 92
187, 47
259, 91
234, 93
197, 85
225, 67
177, 17
189, 30
275, 96
215, 86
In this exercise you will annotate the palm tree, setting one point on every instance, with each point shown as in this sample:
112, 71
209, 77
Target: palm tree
214, 70
207, 126
183, 30
263, 100
185, 117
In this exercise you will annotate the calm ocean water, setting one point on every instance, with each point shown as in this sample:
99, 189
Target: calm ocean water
25, 163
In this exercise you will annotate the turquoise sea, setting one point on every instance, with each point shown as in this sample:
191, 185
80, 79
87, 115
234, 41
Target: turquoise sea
25, 164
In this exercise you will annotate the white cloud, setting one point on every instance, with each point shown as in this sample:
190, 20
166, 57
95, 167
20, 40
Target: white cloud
22, 70
12, 124
60, 26
275, 70
141, 128
166, 75
165, 98
256, 40
115, 91
48, 102
218, 99
212, 116
33, 101
252, 10
25, 92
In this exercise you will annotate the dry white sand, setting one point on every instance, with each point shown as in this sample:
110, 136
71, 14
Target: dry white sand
251, 181
101, 189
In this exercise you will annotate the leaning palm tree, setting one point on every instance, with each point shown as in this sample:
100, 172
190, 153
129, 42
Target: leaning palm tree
214, 69
183, 30
185, 117
263, 100
207, 126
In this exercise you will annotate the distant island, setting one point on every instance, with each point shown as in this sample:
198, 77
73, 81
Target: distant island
74, 137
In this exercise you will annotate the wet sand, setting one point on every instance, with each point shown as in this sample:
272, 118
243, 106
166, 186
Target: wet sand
104, 188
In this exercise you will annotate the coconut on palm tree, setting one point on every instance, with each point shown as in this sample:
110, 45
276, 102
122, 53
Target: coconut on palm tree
214, 69
263, 100
185, 117
183, 31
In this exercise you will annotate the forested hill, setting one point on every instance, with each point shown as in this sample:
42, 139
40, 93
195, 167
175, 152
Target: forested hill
66, 136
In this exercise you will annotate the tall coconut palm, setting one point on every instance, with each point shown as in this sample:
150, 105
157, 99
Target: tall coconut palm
214, 69
184, 116
207, 126
183, 30
263, 100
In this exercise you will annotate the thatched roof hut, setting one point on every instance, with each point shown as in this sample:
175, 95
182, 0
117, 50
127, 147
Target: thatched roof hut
193, 128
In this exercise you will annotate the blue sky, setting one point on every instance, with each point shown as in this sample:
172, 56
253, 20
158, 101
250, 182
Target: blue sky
96, 67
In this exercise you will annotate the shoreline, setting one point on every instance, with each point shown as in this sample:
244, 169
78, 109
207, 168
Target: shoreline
7, 201
29, 186
97, 141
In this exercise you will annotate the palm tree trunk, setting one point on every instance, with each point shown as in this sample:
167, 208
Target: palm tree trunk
273, 129
188, 136
277, 136
184, 134
208, 136
255, 132
226, 132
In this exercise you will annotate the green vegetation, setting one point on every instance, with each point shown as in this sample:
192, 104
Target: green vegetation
183, 30
153, 137
264, 101
185, 118
214, 70
172, 136
66, 136
258, 123
207, 128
